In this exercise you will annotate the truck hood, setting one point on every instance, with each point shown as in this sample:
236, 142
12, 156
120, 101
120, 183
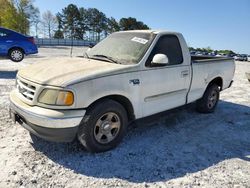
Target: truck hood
66, 71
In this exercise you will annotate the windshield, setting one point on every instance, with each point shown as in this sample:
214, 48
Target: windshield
122, 48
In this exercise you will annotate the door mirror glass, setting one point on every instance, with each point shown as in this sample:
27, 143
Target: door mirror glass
160, 59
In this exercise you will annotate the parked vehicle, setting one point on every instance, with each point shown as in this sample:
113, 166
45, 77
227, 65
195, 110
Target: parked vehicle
231, 55
221, 55
211, 54
127, 76
244, 57
15, 45
241, 57
237, 57
198, 53
192, 52
248, 58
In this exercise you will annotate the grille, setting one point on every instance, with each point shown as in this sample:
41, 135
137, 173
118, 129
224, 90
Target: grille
27, 90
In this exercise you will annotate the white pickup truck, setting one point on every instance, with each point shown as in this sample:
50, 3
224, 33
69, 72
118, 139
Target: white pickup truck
128, 75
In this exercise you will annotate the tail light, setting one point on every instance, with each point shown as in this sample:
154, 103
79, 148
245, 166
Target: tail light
32, 40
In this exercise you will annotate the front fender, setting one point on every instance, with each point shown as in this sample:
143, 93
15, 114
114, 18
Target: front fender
92, 90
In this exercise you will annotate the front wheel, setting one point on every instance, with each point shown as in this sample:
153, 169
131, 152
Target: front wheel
208, 102
103, 126
16, 55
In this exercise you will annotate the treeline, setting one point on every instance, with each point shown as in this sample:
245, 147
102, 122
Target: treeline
210, 50
18, 15
77, 23
72, 22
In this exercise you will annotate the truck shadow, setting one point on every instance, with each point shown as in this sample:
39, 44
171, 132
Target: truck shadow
164, 146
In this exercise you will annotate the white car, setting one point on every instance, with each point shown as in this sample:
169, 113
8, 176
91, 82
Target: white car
127, 76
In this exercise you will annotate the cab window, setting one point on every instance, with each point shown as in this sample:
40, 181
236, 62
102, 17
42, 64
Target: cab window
170, 46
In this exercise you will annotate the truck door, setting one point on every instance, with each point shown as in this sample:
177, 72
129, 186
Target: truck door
165, 87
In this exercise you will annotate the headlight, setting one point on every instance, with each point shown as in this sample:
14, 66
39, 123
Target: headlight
56, 97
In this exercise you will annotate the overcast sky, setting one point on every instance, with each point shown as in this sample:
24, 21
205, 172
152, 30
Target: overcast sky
220, 24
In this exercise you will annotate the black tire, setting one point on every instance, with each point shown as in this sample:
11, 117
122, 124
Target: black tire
95, 121
16, 54
208, 102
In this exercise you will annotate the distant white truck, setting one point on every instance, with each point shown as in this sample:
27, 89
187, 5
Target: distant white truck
127, 76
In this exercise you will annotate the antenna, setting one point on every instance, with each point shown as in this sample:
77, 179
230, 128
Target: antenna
71, 50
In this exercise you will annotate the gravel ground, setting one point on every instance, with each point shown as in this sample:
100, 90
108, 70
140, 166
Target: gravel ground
180, 148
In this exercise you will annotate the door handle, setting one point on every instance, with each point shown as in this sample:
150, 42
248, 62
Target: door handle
184, 73
9, 41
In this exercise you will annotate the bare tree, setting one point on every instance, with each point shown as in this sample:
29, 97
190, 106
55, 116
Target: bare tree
27, 14
49, 22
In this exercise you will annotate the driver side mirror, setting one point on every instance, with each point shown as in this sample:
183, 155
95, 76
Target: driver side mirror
160, 59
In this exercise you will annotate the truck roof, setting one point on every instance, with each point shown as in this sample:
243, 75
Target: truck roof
152, 31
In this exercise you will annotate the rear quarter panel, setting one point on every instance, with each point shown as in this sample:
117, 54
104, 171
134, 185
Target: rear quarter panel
205, 72
23, 43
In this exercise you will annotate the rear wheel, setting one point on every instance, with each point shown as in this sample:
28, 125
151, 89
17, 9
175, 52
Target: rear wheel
103, 127
208, 102
16, 55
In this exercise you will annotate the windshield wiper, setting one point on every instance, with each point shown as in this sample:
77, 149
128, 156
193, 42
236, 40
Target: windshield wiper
110, 59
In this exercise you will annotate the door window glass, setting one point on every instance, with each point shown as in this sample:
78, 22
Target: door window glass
170, 46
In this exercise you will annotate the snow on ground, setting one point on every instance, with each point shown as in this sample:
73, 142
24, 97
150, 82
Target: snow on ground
180, 148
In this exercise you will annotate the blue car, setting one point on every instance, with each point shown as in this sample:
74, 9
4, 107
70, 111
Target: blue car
15, 45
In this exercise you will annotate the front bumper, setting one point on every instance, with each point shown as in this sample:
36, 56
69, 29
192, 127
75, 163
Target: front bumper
49, 124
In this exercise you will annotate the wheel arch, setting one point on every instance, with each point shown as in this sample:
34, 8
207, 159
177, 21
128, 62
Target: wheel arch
124, 101
218, 81
16, 47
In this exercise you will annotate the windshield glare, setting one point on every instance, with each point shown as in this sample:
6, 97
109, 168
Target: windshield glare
124, 47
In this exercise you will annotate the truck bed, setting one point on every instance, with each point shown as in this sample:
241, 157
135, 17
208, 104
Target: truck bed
207, 68
204, 59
